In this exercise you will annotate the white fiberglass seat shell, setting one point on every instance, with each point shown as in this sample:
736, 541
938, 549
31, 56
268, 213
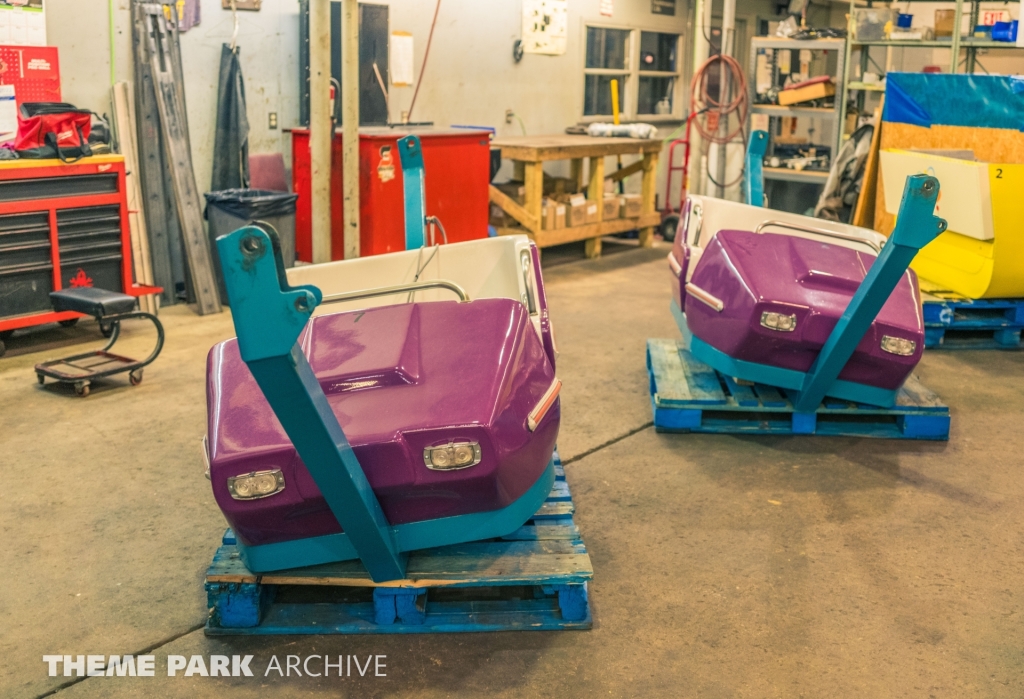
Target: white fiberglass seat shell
501, 267
705, 216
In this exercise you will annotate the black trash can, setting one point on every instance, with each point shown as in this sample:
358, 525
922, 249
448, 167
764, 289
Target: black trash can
231, 209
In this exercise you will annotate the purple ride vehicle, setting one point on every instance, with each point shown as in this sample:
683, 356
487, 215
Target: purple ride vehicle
759, 299
451, 409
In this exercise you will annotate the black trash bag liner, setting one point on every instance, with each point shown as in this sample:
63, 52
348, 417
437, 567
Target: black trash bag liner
252, 204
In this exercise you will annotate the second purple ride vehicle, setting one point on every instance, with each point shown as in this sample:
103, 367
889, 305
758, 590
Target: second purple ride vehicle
818, 308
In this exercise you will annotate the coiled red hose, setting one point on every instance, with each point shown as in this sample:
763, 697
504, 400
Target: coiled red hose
703, 106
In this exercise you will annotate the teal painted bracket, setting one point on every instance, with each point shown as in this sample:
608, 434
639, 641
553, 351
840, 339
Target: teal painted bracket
753, 182
409, 537
411, 155
916, 226
269, 315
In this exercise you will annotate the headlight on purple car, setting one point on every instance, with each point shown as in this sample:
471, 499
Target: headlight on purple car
452, 456
255, 485
898, 346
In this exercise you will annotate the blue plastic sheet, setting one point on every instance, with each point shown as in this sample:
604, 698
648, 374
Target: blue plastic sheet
923, 99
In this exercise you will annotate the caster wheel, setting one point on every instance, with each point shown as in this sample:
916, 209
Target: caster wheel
82, 389
135, 377
107, 330
668, 228
41, 379
69, 323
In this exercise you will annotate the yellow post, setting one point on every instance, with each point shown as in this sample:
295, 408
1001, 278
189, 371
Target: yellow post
615, 120
615, 102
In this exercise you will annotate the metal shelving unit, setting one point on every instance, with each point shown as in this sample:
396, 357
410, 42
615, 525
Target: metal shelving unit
955, 43
832, 114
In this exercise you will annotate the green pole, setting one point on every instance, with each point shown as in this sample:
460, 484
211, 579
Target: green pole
113, 44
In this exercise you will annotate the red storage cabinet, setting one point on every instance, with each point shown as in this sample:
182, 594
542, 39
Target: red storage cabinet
457, 163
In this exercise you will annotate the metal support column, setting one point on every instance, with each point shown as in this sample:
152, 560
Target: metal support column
350, 124
320, 126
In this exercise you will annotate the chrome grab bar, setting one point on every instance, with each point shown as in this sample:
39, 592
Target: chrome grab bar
673, 264
818, 231
400, 289
704, 297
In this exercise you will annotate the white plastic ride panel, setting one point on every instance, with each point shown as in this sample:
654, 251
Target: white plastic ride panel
499, 267
965, 199
709, 215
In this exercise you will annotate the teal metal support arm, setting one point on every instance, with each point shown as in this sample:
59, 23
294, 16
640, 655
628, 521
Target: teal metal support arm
411, 155
269, 316
916, 226
753, 183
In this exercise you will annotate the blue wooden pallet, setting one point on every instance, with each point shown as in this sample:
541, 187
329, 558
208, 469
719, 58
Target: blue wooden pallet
690, 396
533, 579
952, 322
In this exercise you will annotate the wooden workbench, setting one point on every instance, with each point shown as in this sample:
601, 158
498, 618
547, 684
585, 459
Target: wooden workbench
529, 154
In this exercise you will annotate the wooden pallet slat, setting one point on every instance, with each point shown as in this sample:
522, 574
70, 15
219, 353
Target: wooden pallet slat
743, 393
667, 377
703, 384
918, 414
535, 578
770, 396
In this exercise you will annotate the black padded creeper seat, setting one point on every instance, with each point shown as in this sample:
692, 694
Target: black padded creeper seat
109, 308
92, 301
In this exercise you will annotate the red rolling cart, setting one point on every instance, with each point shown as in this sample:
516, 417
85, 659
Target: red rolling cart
62, 226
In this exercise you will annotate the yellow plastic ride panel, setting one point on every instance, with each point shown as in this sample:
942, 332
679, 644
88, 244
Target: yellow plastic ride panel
982, 253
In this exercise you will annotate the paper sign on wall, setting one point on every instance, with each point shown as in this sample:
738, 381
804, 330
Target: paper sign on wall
663, 7
545, 26
22, 23
401, 59
606, 8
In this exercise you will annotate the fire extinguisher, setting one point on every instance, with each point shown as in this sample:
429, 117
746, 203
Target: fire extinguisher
335, 103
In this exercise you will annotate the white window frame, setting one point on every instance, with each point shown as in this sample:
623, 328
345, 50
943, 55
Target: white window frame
629, 94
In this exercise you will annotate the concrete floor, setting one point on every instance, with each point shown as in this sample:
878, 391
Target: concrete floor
724, 566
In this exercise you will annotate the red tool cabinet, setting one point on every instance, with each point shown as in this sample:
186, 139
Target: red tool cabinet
61, 226
457, 165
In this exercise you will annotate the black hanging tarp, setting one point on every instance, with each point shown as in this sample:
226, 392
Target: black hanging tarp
231, 144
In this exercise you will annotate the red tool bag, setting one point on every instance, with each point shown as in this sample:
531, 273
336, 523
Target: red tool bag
53, 130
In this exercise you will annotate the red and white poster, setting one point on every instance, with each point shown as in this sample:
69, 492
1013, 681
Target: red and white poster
34, 71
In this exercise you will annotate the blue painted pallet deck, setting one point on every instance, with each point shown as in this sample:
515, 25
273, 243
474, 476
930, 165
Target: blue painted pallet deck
689, 396
953, 322
534, 579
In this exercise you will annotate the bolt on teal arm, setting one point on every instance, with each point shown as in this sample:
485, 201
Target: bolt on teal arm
915, 228
411, 156
753, 181
269, 316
